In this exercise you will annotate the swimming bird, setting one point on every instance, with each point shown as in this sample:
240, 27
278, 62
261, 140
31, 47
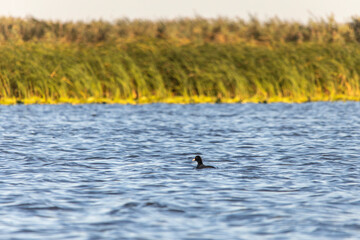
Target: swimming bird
200, 163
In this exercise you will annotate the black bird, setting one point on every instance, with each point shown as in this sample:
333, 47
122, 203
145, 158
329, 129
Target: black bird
200, 163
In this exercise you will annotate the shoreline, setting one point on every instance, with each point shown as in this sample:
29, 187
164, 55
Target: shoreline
177, 100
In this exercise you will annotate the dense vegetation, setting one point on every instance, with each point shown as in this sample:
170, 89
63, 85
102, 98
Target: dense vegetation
182, 30
182, 60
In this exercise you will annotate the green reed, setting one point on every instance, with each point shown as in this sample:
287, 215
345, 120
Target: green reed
157, 70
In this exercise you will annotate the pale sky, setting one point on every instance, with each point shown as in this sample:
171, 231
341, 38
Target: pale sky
301, 10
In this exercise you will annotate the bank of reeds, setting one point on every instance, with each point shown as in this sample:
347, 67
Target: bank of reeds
158, 70
181, 60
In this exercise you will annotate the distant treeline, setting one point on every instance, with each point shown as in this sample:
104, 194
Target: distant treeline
182, 30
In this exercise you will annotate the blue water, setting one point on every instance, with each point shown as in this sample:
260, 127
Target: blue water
284, 171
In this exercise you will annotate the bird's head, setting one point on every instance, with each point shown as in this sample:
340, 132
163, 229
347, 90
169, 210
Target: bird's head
198, 159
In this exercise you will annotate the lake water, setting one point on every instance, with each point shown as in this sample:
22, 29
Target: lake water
283, 171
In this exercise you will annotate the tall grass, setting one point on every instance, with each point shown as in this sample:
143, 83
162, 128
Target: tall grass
148, 71
180, 60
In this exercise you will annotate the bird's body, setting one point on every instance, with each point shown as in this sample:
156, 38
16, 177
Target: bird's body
200, 164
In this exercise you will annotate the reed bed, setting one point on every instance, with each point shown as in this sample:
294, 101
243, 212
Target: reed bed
184, 60
160, 71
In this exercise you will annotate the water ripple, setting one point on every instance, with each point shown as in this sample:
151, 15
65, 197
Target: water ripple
284, 171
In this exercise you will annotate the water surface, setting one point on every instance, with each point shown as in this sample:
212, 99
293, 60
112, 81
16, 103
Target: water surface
284, 171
